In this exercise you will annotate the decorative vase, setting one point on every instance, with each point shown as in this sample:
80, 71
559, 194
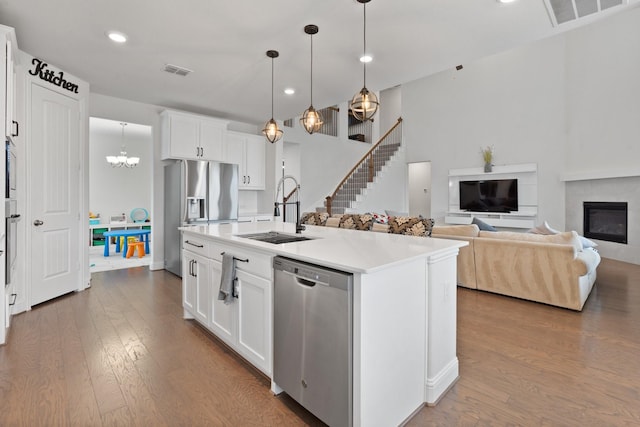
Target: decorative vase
488, 167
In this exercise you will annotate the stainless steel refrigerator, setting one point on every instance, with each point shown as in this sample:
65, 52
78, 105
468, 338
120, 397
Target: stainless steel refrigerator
196, 192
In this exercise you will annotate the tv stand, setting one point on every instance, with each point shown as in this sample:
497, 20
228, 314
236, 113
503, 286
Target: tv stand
524, 217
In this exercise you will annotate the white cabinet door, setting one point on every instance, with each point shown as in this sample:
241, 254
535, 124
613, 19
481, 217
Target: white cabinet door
188, 284
248, 151
255, 153
254, 320
223, 316
183, 137
234, 151
211, 140
10, 127
197, 286
190, 136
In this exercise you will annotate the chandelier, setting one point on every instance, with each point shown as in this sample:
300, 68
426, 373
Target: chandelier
364, 104
122, 160
311, 119
271, 130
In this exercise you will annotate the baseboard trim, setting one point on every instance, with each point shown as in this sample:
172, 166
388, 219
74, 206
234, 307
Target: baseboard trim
437, 386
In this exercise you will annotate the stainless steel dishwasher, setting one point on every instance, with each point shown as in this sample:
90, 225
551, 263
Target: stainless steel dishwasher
312, 351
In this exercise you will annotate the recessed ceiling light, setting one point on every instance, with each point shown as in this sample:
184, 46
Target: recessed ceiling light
506, 1
366, 58
289, 91
117, 36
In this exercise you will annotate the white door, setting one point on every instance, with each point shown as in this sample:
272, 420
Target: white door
420, 189
54, 195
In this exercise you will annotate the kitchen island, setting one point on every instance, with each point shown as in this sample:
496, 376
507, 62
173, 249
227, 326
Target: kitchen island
404, 306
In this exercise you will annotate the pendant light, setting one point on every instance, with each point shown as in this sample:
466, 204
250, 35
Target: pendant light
364, 104
122, 160
271, 130
311, 119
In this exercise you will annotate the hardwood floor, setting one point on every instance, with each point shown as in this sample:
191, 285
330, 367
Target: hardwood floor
121, 354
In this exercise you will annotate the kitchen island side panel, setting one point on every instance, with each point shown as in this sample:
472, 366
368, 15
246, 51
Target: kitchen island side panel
389, 344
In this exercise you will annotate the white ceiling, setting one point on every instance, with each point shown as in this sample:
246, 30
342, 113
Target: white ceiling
225, 41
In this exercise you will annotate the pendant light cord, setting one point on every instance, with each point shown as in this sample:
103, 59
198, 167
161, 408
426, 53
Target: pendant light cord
364, 37
123, 149
272, 88
311, 83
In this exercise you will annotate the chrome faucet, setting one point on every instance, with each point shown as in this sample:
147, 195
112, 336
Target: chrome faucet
276, 210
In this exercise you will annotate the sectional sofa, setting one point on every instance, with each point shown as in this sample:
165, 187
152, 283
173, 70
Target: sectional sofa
551, 269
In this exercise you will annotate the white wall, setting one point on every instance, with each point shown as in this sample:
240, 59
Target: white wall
603, 92
113, 191
514, 101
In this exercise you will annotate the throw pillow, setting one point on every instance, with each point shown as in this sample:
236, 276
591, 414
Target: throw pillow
356, 222
411, 225
380, 218
543, 228
314, 218
586, 243
483, 225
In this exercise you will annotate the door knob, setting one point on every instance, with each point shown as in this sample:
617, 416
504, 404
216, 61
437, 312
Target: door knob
37, 223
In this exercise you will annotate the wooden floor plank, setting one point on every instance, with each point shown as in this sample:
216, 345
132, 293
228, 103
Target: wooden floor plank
120, 353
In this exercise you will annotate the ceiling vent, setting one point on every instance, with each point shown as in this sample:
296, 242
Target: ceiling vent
174, 69
562, 11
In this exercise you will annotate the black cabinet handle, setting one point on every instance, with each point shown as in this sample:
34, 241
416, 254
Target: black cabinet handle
193, 244
13, 302
17, 128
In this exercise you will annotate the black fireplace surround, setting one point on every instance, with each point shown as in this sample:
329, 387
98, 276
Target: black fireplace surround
606, 221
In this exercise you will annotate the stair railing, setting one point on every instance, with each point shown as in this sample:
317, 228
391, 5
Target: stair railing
368, 163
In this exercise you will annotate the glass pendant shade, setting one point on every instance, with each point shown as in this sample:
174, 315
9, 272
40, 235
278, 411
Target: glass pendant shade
271, 130
364, 105
122, 160
311, 120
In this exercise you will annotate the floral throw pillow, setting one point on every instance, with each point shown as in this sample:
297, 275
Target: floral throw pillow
410, 225
356, 222
314, 218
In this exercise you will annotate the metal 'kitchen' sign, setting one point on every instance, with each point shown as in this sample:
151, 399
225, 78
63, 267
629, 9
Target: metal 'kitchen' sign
50, 76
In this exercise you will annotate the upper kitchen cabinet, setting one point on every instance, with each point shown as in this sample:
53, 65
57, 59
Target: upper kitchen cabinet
249, 152
190, 136
7, 77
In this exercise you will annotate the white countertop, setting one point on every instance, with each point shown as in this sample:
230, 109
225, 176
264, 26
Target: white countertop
346, 250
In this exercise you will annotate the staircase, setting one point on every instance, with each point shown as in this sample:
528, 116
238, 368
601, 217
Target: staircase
364, 172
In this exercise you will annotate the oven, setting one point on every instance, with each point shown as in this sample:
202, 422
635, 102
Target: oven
11, 239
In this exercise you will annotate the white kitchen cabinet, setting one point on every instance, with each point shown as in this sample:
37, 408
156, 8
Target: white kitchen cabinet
190, 136
11, 125
9, 128
254, 319
196, 286
223, 316
245, 324
249, 152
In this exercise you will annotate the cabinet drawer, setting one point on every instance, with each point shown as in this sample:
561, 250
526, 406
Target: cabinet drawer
196, 245
256, 263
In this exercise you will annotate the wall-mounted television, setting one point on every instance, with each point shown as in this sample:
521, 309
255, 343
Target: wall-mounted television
491, 195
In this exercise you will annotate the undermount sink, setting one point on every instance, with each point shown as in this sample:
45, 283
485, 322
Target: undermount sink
275, 237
